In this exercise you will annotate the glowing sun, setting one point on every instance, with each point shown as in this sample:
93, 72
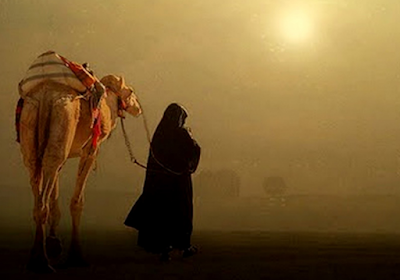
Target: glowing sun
295, 26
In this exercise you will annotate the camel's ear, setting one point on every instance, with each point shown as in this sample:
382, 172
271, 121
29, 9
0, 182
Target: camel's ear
121, 82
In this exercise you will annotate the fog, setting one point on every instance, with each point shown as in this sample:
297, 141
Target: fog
321, 112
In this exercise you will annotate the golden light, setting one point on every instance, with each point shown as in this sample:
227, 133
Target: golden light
295, 26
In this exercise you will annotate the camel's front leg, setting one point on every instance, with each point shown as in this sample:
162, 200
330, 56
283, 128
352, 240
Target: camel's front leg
76, 206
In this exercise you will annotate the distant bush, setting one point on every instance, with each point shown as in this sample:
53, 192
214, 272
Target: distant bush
274, 186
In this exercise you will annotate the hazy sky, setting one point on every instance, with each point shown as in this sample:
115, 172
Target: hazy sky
306, 90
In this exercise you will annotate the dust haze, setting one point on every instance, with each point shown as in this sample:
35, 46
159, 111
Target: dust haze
322, 114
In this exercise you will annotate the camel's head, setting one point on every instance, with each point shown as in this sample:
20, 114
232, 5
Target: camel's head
128, 100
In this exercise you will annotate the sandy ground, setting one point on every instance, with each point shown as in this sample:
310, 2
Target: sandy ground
223, 255
308, 237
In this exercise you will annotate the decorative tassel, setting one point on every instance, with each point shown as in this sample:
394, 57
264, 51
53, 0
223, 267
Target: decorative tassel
96, 131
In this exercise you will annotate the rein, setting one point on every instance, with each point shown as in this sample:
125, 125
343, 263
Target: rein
128, 145
129, 148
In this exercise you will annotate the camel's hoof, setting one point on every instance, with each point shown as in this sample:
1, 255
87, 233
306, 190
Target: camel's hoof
41, 267
53, 247
76, 261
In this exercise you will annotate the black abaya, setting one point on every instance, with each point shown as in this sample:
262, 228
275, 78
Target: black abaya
163, 214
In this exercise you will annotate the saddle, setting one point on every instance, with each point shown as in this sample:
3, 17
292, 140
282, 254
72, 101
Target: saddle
52, 66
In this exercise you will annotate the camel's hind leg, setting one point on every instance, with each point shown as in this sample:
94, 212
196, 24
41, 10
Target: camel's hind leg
62, 127
63, 118
29, 149
77, 202
53, 243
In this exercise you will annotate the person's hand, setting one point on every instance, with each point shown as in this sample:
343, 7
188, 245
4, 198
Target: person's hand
189, 130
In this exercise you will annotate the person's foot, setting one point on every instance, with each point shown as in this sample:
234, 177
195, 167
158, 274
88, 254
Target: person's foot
192, 250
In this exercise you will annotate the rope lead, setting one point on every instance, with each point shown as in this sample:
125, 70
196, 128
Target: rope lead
128, 146
133, 158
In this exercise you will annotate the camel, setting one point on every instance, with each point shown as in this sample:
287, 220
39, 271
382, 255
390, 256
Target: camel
56, 124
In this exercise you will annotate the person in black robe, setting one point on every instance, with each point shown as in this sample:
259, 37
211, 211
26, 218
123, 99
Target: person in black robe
163, 214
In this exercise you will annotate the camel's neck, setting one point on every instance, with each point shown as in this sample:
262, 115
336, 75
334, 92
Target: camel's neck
112, 103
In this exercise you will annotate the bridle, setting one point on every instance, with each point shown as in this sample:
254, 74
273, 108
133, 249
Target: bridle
121, 107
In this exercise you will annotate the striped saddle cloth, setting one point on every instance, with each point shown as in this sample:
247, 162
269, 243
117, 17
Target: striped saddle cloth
53, 66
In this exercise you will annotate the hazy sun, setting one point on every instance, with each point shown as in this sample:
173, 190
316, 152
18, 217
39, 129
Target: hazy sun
295, 26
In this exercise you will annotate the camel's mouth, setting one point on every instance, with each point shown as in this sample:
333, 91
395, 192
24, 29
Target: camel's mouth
132, 105
128, 100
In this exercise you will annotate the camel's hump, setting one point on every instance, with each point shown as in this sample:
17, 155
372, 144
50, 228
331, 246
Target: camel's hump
49, 65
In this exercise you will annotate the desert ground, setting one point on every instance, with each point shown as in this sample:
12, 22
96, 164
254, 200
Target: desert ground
241, 238
223, 255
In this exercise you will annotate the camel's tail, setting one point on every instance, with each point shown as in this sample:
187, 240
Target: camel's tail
43, 124
18, 111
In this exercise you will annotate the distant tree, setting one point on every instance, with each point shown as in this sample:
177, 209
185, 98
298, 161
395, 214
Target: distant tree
274, 186
217, 184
